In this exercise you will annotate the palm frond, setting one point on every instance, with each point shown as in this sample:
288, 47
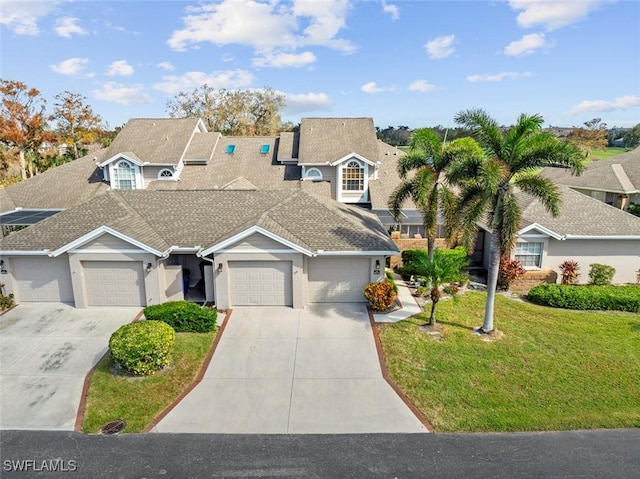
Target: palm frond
413, 161
509, 217
426, 141
483, 128
542, 189
543, 149
402, 192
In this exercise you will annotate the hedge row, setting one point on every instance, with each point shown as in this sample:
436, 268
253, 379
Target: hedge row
183, 316
589, 297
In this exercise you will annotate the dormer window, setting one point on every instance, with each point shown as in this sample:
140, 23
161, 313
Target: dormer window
123, 176
165, 174
313, 174
353, 176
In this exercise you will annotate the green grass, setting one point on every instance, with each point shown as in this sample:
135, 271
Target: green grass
553, 370
607, 152
138, 400
406, 149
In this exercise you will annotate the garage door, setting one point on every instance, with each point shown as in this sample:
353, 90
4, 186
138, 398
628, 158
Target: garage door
260, 283
338, 280
43, 279
114, 283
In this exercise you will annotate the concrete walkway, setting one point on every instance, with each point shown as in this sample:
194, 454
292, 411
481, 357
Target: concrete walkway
280, 370
409, 305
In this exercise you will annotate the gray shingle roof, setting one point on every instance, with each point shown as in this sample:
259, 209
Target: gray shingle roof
388, 177
325, 140
288, 145
201, 146
580, 215
161, 219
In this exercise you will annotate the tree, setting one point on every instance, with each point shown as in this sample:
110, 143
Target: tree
429, 159
231, 112
22, 120
632, 137
489, 184
593, 136
77, 124
440, 269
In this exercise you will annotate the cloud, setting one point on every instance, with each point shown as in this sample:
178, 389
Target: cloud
22, 17
596, 106
119, 68
527, 45
392, 10
123, 94
440, 47
70, 66
67, 26
230, 79
284, 60
270, 28
372, 87
304, 102
421, 85
167, 66
552, 14
497, 77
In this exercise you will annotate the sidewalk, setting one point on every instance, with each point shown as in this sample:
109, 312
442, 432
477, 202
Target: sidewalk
409, 305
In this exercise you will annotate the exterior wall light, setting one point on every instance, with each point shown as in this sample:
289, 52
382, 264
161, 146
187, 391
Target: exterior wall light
377, 268
149, 266
219, 267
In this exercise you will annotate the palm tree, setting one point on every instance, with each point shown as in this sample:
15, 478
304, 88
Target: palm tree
512, 160
429, 159
443, 268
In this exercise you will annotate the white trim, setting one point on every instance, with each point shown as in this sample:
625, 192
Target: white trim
326, 163
167, 178
305, 174
184, 249
45, 252
254, 251
249, 231
120, 156
351, 155
356, 253
96, 233
536, 226
603, 237
106, 251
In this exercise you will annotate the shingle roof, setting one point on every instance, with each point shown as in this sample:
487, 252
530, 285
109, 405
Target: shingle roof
324, 140
154, 140
580, 215
161, 219
201, 146
388, 177
288, 145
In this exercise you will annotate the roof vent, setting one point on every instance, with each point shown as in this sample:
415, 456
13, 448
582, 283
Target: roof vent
231, 149
264, 149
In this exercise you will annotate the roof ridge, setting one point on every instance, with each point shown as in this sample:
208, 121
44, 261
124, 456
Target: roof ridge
622, 177
137, 213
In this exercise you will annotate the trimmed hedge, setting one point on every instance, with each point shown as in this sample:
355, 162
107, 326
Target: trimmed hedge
143, 347
588, 297
412, 256
183, 316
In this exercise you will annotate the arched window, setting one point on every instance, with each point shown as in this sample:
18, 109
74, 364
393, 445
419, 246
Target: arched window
165, 174
353, 176
124, 176
313, 174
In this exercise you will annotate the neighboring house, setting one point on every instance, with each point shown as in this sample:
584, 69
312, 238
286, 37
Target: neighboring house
586, 230
615, 181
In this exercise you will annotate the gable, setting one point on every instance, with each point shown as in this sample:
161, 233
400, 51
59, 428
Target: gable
106, 242
257, 242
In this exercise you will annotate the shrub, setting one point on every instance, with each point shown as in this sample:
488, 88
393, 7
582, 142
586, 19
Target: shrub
510, 270
412, 257
422, 291
601, 274
569, 270
390, 280
380, 295
183, 316
6, 301
634, 209
588, 297
143, 347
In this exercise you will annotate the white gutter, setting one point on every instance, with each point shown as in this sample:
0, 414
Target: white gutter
602, 237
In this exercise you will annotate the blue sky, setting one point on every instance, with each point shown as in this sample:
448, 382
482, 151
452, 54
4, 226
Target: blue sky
413, 63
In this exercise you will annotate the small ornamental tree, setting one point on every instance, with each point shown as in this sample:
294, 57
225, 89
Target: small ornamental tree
510, 270
601, 274
570, 271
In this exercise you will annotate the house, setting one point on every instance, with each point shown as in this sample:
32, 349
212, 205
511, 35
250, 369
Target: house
586, 230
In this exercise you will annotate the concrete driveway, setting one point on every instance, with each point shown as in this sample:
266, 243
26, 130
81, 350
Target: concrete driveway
280, 370
46, 350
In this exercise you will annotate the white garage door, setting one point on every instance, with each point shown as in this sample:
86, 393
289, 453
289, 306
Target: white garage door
338, 280
261, 283
43, 279
114, 283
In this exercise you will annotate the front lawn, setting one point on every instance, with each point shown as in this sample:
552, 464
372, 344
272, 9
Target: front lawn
607, 152
138, 400
553, 370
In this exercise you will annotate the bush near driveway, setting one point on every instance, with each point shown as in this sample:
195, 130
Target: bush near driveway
183, 316
143, 347
588, 297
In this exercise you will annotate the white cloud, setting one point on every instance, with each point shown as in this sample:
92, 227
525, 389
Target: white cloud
527, 45
167, 66
392, 10
421, 85
230, 79
123, 94
440, 47
498, 77
552, 14
284, 60
304, 102
119, 68
70, 66
22, 17
371, 88
596, 106
68, 26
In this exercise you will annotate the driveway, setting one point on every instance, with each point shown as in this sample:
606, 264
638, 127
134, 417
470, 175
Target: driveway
46, 350
280, 370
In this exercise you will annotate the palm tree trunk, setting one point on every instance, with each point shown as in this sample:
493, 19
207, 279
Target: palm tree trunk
432, 317
23, 165
431, 243
492, 281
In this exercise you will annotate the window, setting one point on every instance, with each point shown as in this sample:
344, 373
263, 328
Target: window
313, 174
529, 254
124, 176
353, 177
165, 174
